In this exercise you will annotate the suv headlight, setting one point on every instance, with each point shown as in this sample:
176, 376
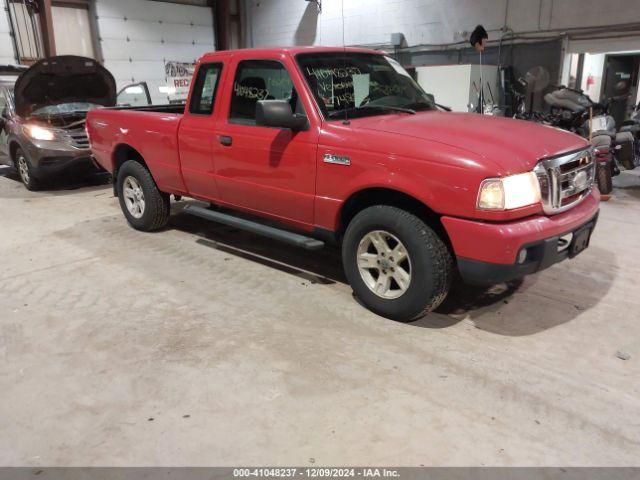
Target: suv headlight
36, 132
511, 192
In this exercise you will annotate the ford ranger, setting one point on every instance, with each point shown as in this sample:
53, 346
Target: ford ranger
329, 145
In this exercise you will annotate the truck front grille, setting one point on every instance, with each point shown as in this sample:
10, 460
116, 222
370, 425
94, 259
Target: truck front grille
565, 181
77, 138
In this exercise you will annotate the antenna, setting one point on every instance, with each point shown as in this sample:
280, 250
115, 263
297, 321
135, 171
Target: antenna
344, 58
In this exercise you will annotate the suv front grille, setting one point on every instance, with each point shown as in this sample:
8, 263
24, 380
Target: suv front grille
77, 138
565, 181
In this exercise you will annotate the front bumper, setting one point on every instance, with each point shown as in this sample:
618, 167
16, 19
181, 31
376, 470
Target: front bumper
47, 159
53, 165
487, 253
539, 256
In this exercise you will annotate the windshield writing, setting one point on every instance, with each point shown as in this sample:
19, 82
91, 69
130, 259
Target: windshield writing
352, 81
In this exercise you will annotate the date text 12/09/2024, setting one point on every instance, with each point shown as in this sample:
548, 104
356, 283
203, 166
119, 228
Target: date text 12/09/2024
315, 473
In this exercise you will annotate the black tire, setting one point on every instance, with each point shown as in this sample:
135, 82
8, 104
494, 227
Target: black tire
157, 208
431, 266
26, 171
603, 178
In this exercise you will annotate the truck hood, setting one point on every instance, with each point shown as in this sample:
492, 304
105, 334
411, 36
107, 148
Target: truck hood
514, 145
64, 79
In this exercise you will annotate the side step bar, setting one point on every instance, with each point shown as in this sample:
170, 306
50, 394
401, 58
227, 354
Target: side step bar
296, 239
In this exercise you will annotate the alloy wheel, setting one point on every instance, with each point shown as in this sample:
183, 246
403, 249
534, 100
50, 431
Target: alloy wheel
23, 170
384, 264
133, 197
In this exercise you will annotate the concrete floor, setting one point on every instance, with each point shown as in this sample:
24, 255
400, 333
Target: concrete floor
205, 346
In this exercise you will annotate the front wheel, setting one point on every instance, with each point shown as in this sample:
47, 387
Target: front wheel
25, 172
395, 263
145, 207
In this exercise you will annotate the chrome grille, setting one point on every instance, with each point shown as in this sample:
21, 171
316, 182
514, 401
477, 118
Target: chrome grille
77, 138
565, 181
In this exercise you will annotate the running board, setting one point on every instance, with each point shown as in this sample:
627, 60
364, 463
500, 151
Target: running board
296, 239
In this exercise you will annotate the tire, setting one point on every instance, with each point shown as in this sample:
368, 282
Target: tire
153, 212
429, 263
603, 177
25, 172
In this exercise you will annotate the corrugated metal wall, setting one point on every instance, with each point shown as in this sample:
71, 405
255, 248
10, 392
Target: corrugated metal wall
138, 36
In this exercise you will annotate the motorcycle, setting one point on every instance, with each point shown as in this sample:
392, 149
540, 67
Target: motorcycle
632, 126
573, 110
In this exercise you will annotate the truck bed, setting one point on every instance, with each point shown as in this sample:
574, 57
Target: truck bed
167, 108
150, 132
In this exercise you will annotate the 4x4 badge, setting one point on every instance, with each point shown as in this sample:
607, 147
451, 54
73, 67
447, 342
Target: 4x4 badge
329, 158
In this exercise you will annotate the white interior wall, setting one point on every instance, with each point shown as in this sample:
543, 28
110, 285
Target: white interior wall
137, 36
7, 53
296, 22
592, 75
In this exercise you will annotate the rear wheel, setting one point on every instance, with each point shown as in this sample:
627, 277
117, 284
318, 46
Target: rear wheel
25, 171
395, 263
145, 207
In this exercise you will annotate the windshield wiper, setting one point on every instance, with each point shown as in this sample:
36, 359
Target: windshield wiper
389, 108
418, 105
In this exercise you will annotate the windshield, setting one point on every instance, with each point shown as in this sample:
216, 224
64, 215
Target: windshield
63, 108
361, 84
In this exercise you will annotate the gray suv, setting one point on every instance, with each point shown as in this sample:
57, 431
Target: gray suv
42, 115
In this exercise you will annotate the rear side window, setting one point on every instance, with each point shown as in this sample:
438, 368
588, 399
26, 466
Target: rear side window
204, 90
260, 80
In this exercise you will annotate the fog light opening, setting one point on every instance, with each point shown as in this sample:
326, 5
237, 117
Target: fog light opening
522, 256
564, 242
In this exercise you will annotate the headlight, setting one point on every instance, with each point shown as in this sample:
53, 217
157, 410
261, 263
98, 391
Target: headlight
510, 192
37, 132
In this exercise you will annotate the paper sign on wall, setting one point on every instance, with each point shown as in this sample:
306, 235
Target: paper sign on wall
178, 76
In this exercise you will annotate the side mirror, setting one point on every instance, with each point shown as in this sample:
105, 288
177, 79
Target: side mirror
277, 113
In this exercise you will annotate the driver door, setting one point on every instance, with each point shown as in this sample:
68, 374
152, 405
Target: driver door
264, 169
134, 95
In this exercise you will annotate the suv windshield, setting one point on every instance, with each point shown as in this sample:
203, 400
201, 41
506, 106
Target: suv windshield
361, 84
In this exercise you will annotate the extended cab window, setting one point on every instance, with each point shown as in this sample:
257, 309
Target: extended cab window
204, 90
360, 84
260, 80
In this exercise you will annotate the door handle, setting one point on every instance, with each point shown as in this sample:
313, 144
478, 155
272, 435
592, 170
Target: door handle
225, 140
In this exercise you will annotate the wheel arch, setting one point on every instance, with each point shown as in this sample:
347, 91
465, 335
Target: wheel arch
14, 145
369, 197
121, 154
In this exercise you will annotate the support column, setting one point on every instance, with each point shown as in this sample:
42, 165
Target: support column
46, 24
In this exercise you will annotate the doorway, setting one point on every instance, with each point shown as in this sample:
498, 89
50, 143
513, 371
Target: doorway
620, 78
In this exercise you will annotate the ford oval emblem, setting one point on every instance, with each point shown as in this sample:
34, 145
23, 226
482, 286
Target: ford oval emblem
580, 181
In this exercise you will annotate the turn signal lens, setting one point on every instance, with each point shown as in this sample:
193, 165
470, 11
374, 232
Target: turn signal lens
491, 195
510, 192
37, 132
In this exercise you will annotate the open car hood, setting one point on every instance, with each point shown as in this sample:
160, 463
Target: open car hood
64, 79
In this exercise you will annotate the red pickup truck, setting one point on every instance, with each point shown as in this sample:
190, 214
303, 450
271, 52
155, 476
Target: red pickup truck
318, 145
